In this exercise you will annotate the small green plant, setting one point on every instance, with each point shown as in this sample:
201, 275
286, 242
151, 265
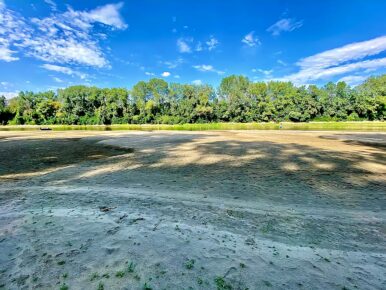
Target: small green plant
61, 263
63, 287
189, 264
221, 284
137, 277
146, 287
242, 265
65, 275
100, 286
199, 281
106, 275
94, 276
120, 274
131, 267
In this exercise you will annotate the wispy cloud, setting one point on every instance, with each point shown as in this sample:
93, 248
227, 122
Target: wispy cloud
166, 74
264, 72
183, 45
6, 54
12, 31
67, 37
284, 25
353, 51
188, 44
341, 60
197, 82
251, 40
108, 14
207, 68
212, 43
9, 95
64, 70
58, 80
353, 80
171, 64
199, 46
52, 4
5, 84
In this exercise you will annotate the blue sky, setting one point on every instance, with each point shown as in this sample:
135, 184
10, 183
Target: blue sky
49, 44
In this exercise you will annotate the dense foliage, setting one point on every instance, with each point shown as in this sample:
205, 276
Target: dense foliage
236, 100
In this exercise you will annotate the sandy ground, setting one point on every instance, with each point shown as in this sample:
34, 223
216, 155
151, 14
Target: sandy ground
192, 210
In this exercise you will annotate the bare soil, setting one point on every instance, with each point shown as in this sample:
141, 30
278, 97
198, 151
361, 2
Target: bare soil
192, 210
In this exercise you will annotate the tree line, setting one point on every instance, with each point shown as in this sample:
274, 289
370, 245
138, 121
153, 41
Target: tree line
237, 99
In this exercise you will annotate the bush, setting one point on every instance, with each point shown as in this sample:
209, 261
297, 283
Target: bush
353, 117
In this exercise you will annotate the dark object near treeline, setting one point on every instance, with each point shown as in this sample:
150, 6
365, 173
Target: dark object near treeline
45, 129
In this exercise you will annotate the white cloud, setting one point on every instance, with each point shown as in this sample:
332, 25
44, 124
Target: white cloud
57, 68
67, 37
176, 76
9, 95
341, 60
353, 80
6, 54
212, 43
108, 14
199, 47
6, 85
338, 70
64, 70
183, 45
250, 39
197, 82
207, 68
165, 74
52, 4
264, 72
12, 30
187, 44
285, 24
149, 73
279, 61
172, 64
58, 80
352, 51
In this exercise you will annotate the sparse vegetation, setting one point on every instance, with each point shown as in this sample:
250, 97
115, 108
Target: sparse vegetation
131, 267
221, 284
100, 286
120, 274
94, 276
190, 264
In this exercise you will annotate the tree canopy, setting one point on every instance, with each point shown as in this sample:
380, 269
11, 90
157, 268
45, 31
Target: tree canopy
236, 100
